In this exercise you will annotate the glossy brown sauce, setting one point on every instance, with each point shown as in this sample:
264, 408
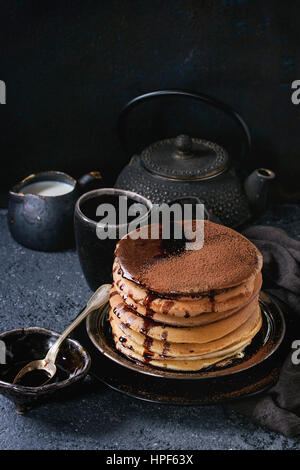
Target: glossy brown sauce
147, 303
166, 349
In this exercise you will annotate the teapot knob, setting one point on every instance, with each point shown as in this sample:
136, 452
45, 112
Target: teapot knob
183, 144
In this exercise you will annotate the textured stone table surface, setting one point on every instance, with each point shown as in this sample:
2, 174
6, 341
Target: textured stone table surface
48, 289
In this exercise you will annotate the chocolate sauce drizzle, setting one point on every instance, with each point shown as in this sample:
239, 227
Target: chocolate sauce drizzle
166, 349
147, 303
120, 310
148, 343
211, 297
167, 306
164, 335
148, 354
147, 325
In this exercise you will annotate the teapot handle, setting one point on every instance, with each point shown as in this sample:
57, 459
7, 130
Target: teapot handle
189, 94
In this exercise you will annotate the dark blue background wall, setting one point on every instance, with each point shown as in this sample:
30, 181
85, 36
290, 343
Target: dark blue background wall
70, 66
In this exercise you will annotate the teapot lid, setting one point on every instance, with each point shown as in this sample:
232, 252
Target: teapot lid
185, 158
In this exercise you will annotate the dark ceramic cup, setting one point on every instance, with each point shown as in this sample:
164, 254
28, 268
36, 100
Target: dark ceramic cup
96, 255
45, 222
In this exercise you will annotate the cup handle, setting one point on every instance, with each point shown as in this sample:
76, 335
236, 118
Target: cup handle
89, 181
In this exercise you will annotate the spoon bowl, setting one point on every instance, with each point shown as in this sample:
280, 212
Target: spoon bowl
38, 373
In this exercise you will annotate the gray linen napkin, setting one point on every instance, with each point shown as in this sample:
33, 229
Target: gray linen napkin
279, 408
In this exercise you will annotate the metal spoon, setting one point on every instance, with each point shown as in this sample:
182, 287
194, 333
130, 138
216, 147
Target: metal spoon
47, 365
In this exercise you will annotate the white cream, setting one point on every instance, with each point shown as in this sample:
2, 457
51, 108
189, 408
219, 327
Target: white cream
47, 188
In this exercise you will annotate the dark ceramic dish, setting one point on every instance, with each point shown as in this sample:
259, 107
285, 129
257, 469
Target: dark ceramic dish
258, 370
27, 344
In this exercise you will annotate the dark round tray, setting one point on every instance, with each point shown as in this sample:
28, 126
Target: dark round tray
257, 371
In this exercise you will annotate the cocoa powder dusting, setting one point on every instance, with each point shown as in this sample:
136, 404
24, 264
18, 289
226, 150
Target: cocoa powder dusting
226, 259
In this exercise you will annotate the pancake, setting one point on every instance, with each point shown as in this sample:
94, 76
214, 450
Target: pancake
227, 259
245, 332
161, 357
197, 334
129, 344
183, 306
184, 313
179, 365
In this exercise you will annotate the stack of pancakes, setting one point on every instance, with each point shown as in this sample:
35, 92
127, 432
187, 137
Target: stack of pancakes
184, 309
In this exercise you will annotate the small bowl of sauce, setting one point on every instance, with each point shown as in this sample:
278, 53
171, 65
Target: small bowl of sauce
19, 347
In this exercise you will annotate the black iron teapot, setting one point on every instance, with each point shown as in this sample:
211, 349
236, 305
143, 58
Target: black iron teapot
188, 166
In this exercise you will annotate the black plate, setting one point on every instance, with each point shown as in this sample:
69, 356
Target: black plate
257, 371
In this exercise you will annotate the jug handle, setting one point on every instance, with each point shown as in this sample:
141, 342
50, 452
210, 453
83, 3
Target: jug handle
210, 100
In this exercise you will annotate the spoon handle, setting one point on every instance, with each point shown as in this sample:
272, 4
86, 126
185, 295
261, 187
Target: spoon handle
99, 298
